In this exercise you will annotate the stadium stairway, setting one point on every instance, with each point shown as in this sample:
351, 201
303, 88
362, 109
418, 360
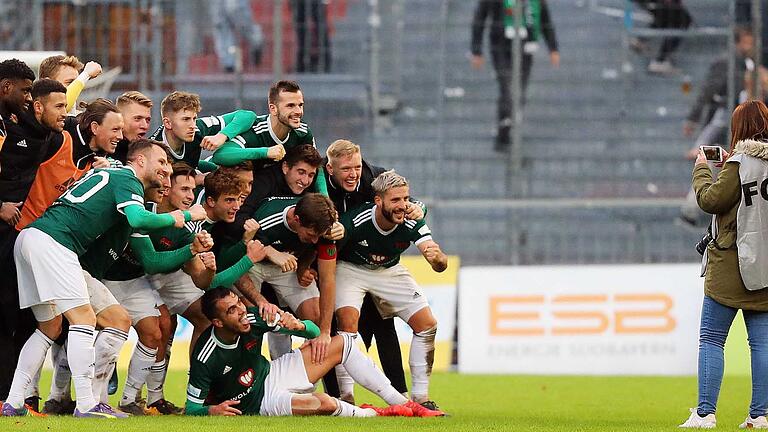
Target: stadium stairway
592, 130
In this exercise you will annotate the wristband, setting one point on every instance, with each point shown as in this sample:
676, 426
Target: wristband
326, 252
187, 215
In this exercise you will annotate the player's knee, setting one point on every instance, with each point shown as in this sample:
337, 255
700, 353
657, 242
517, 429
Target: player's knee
346, 319
114, 316
149, 334
347, 342
51, 329
328, 405
427, 333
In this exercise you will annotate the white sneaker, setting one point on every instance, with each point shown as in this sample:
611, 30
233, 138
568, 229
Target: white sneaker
662, 67
758, 423
694, 421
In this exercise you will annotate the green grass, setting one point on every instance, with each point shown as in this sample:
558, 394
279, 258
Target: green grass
476, 403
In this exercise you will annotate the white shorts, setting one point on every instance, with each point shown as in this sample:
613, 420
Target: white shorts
137, 297
48, 272
101, 297
286, 285
394, 290
176, 290
287, 376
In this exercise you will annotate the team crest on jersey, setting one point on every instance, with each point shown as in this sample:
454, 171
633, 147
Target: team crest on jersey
246, 378
402, 245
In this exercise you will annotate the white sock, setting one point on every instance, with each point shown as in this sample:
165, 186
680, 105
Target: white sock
108, 344
155, 382
345, 409
365, 373
346, 383
279, 344
33, 389
420, 360
82, 357
138, 369
61, 389
31, 359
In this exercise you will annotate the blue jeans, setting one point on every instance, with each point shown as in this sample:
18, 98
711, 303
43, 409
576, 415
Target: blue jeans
716, 320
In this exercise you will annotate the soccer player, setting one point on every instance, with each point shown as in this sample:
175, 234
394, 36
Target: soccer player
272, 134
375, 236
65, 163
349, 179
187, 135
291, 229
136, 109
51, 280
66, 70
228, 375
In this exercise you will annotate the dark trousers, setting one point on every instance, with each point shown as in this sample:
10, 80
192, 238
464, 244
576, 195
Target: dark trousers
667, 15
313, 42
16, 326
501, 55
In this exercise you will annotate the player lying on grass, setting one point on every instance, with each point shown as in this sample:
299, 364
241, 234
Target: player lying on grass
229, 376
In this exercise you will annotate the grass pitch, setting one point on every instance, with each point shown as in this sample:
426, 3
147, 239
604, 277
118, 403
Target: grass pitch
476, 403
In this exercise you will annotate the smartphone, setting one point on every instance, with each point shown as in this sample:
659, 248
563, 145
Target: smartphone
713, 153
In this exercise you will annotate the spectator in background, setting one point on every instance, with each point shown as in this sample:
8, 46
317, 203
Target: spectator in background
310, 17
734, 277
667, 15
233, 18
537, 24
711, 107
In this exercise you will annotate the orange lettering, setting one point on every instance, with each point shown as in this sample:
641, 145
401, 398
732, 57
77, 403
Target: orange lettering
501, 320
598, 318
624, 318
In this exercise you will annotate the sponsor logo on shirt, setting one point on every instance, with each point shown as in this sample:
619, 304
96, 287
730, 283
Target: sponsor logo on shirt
250, 344
378, 259
165, 241
246, 378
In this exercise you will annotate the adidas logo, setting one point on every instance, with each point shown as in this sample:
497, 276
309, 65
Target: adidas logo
226, 369
22, 143
363, 243
277, 242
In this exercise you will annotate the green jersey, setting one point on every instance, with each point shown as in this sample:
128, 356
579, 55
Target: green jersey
230, 124
274, 231
262, 135
110, 248
237, 371
366, 244
90, 207
126, 265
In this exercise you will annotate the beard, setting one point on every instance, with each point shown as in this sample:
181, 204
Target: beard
283, 119
389, 215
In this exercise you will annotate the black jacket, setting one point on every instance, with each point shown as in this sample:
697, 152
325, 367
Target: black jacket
346, 201
24, 149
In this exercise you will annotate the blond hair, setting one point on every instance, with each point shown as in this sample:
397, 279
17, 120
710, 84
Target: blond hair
386, 181
341, 148
52, 64
133, 96
178, 101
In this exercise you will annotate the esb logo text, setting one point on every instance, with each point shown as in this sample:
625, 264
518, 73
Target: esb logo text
581, 314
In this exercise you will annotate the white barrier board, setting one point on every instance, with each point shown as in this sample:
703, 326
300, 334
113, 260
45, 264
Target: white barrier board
586, 320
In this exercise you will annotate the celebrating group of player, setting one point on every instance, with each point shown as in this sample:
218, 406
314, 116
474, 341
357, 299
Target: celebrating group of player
103, 229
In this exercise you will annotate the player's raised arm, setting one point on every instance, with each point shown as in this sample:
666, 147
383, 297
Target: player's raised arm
434, 256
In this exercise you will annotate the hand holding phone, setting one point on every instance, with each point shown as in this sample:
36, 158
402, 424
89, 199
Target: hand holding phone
712, 153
